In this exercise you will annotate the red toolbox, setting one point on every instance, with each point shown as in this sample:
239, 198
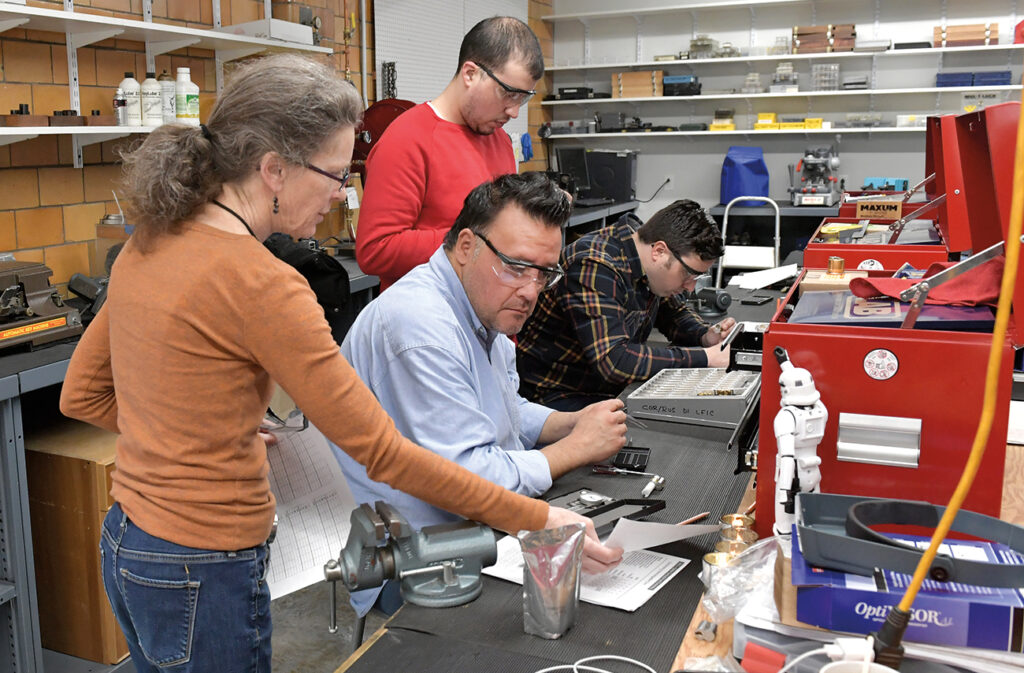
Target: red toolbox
942, 158
871, 377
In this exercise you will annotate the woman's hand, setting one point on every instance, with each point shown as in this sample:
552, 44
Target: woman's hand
597, 558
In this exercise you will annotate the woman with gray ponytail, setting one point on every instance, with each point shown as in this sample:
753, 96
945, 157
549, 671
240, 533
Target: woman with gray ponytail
200, 318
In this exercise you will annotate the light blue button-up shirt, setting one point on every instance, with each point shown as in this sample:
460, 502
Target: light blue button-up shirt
450, 385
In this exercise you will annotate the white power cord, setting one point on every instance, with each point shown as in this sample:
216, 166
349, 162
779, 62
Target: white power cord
578, 665
851, 649
805, 655
842, 649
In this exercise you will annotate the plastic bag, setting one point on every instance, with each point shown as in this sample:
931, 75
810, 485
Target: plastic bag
732, 585
551, 579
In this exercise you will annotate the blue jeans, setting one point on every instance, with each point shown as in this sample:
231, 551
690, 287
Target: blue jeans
186, 610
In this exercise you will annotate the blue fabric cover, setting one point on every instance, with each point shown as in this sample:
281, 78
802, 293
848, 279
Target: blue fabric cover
744, 173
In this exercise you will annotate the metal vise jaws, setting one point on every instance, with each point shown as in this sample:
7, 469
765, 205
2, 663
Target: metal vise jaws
438, 566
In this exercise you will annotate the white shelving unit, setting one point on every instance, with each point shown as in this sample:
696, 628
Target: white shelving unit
934, 51
668, 9
81, 136
614, 30
593, 39
750, 133
797, 94
82, 29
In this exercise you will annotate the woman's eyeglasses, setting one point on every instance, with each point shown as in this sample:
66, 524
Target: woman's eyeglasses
517, 273
343, 178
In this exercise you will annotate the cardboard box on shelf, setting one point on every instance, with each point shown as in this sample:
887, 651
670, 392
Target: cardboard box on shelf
638, 84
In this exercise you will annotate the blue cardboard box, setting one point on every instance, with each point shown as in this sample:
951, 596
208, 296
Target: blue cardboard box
944, 613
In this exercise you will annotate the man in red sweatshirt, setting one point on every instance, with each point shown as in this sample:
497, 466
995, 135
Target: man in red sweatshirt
430, 157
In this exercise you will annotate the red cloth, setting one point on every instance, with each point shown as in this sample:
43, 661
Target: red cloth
979, 286
418, 175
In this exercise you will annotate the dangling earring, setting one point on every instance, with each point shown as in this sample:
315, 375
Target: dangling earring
277, 206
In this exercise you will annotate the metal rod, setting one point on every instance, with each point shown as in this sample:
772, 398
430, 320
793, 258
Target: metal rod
952, 272
897, 226
362, 49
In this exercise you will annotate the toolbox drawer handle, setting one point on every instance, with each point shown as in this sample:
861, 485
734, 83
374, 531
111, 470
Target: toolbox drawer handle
879, 440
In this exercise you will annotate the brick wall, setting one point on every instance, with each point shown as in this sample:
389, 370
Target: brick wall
537, 114
49, 209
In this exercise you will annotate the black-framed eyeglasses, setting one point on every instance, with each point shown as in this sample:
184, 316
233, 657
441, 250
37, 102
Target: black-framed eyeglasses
343, 178
691, 272
511, 94
515, 272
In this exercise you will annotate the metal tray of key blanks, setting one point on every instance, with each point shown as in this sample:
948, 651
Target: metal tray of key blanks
714, 397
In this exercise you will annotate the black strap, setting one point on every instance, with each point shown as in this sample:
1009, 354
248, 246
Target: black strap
244, 223
868, 512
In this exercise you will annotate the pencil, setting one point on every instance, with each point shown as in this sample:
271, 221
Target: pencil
750, 509
692, 519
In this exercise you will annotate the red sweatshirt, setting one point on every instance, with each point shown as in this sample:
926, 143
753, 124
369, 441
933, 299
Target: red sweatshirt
418, 175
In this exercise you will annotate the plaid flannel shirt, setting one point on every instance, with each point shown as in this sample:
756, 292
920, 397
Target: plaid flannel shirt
588, 333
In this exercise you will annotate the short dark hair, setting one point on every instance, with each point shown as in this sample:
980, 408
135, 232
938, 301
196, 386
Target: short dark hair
685, 227
495, 41
533, 192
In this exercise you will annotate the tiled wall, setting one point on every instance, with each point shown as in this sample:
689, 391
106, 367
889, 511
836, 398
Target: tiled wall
537, 114
49, 209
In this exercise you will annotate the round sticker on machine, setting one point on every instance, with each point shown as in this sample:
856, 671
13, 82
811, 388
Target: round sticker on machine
881, 364
870, 265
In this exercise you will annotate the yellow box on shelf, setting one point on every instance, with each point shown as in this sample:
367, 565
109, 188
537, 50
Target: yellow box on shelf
722, 127
766, 126
813, 122
792, 126
766, 118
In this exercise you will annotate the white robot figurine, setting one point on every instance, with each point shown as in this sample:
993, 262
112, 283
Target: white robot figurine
799, 426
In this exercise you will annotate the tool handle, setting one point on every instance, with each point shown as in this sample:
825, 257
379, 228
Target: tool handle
333, 620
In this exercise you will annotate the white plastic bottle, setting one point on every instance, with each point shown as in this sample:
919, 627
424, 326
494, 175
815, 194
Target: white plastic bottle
150, 91
186, 99
167, 106
133, 99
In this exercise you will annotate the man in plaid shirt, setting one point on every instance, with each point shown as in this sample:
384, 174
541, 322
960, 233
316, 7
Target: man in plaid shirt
586, 340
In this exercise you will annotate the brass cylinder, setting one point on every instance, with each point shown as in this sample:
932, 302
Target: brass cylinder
731, 548
744, 535
736, 521
836, 265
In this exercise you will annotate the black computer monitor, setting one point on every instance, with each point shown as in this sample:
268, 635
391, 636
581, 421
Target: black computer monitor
573, 160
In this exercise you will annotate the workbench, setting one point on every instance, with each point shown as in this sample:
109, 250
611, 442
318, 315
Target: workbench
487, 634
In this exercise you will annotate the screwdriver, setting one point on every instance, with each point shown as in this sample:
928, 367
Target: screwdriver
611, 469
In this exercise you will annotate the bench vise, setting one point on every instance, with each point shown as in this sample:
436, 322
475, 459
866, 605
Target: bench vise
438, 566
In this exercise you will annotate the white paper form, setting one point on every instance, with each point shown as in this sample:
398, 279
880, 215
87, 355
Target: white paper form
625, 587
314, 504
633, 535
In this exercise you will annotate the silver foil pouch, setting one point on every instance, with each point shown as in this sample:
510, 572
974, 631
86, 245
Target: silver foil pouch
553, 560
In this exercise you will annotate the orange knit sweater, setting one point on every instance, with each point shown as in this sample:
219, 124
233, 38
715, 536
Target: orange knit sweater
180, 361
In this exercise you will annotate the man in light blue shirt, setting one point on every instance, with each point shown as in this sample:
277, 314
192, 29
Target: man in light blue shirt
434, 350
